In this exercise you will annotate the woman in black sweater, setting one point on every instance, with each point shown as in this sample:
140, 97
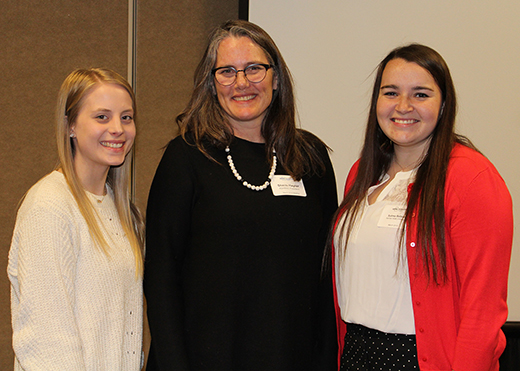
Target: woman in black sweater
237, 221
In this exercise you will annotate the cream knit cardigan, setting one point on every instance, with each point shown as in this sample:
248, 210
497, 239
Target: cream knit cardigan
73, 307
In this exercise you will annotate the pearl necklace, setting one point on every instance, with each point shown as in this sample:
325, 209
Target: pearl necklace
246, 184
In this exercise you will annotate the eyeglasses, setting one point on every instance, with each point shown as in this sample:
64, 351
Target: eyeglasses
254, 73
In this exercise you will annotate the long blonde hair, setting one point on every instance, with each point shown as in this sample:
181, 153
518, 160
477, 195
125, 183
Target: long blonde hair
70, 101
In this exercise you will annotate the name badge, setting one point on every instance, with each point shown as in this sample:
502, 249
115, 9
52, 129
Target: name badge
284, 185
392, 216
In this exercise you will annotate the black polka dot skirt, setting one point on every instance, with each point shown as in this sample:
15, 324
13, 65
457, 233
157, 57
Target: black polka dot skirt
372, 350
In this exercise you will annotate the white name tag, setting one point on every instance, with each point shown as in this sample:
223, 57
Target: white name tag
392, 216
284, 185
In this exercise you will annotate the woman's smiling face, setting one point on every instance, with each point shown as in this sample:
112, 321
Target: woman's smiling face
104, 129
409, 104
245, 103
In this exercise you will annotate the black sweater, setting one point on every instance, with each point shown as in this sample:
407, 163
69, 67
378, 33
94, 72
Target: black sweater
232, 276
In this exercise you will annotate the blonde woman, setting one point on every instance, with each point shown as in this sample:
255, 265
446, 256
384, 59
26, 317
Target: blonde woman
75, 262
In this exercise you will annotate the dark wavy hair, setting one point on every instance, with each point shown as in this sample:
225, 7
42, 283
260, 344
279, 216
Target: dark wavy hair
205, 119
426, 197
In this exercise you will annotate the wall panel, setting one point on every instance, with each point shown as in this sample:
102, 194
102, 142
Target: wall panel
41, 43
170, 41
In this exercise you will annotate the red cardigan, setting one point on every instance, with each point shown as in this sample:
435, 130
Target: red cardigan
458, 324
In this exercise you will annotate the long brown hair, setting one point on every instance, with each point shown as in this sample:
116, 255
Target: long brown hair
205, 118
426, 197
70, 101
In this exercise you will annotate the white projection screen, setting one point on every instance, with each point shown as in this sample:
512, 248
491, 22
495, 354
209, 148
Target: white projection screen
333, 46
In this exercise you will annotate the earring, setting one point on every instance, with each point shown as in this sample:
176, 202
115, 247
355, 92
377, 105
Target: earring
72, 135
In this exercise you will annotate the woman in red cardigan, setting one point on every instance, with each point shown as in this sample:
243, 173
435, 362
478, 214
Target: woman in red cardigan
422, 240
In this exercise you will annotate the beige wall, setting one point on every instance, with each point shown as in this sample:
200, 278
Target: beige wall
333, 46
43, 41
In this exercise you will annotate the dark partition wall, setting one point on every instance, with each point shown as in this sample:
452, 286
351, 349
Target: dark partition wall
170, 42
43, 41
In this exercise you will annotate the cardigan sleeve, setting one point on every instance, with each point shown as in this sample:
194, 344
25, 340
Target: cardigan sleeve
351, 177
168, 233
481, 233
42, 270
